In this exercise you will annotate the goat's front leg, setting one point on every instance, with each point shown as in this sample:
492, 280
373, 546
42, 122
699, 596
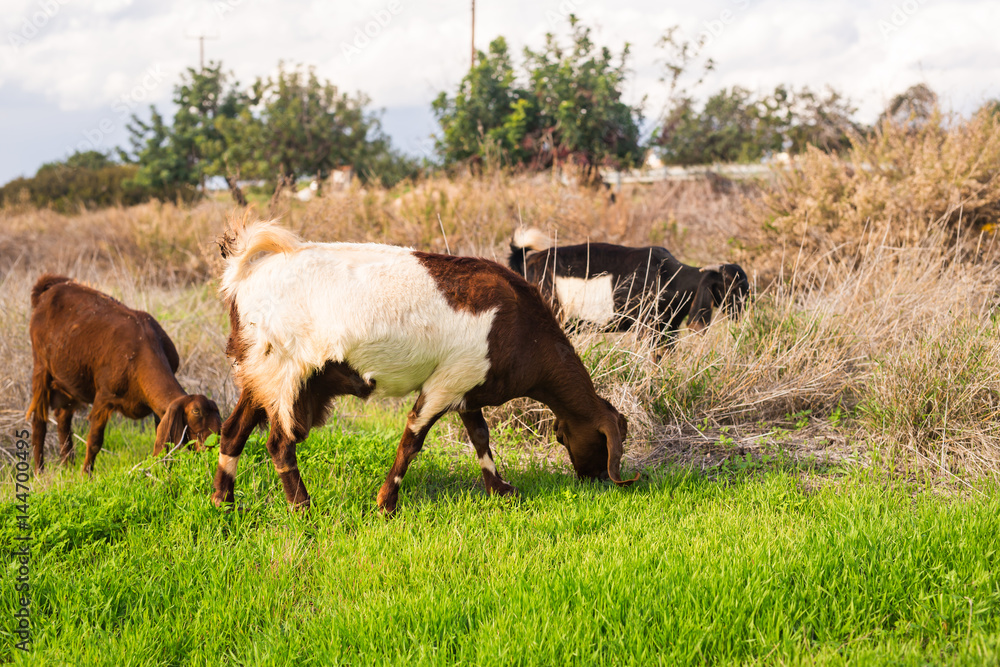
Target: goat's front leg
479, 433
418, 423
99, 414
64, 424
245, 418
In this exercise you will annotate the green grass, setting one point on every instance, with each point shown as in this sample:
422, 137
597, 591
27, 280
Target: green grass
736, 567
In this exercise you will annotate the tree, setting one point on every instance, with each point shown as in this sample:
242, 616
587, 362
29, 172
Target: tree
566, 105
193, 148
161, 167
80, 160
308, 127
489, 108
912, 108
826, 122
734, 125
279, 129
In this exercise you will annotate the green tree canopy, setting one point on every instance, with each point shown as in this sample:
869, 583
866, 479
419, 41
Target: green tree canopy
735, 125
281, 128
79, 160
307, 126
567, 104
178, 156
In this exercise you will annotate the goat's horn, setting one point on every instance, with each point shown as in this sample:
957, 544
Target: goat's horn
711, 267
614, 440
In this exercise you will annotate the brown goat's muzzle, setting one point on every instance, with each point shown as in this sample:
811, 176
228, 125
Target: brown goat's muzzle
596, 453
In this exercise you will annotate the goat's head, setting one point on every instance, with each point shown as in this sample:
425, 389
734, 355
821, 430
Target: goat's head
724, 285
193, 417
595, 444
732, 289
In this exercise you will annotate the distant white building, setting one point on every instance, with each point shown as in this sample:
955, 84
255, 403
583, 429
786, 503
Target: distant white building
305, 194
652, 161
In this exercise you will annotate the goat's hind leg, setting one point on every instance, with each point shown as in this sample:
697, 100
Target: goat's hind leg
38, 430
479, 433
281, 446
64, 425
38, 413
245, 418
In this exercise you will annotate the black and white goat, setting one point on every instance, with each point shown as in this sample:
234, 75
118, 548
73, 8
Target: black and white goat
311, 321
616, 286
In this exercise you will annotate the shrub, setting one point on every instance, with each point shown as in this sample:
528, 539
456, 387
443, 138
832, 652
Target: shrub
77, 184
903, 183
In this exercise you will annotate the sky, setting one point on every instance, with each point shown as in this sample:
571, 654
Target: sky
73, 71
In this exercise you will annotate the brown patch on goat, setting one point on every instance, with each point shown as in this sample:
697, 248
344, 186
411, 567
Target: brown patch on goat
472, 284
312, 405
90, 348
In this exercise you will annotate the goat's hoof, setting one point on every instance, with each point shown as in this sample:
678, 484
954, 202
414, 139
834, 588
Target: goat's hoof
502, 489
387, 506
222, 502
387, 497
301, 505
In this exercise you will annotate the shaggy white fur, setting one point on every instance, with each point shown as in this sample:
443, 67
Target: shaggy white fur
531, 239
591, 300
373, 306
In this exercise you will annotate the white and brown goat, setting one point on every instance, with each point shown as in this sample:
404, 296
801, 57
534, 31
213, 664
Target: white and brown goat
311, 321
90, 348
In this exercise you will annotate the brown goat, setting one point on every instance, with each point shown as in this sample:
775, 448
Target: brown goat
90, 348
311, 321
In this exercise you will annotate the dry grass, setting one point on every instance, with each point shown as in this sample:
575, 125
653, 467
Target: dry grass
875, 331
906, 185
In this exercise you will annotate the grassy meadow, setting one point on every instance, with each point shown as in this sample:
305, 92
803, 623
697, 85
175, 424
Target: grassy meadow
819, 477
784, 563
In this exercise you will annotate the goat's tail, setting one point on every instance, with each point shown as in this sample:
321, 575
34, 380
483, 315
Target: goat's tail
43, 284
245, 237
525, 239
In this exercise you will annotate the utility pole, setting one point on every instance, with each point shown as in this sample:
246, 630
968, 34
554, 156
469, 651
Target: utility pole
201, 48
472, 57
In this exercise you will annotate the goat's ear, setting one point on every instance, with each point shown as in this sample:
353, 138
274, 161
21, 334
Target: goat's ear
704, 301
173, 426
614, 436
557, 430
